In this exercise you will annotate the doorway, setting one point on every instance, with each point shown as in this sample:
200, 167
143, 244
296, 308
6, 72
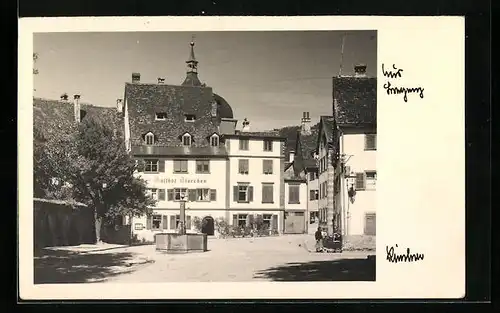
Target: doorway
207, 225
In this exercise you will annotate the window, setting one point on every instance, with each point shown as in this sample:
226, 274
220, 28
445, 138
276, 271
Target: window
153, 192
243, 166
293, 194
156, 224
360, 181
176, 219
203, 166
151, 166
149, 138
202, 194
214, 141
267, 220
180, 166
267, 167
160, 116
371, 180
268, 145
370, 141
186, 140
179, 192
243, 193
312, 176
267, 193
189, 117
243, 144
242, 220
313, 194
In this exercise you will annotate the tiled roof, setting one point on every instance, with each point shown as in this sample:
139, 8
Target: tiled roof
206, 151
144, 100
55, 119
328, 124
356, 100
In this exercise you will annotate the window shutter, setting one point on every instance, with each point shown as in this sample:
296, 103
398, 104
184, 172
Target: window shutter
264, 165
188, 222
161, 166
165, 222
172, 222
240, 166
213, 195
246, 166
235, 193
161, 194
192, 194
250, 193
311, 195
140, 165
360, 181
149, 221
235, 219
274, 222
170, 194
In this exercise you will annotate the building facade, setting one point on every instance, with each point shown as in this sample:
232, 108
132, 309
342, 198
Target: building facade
355, 142
328, 215
188, 150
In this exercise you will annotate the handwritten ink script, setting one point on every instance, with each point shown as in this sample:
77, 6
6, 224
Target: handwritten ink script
393, 257
396, 73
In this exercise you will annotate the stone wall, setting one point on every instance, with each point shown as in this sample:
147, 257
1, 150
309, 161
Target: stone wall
59, 223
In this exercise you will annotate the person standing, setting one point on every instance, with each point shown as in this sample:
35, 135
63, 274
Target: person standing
319, 240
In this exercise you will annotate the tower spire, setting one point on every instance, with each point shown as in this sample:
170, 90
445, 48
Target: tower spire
192, 68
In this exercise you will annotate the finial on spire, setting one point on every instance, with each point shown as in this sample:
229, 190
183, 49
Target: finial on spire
192, 68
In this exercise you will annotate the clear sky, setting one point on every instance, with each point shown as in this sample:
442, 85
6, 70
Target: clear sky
268, 77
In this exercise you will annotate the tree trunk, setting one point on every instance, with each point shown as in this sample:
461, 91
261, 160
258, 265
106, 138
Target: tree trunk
98, 225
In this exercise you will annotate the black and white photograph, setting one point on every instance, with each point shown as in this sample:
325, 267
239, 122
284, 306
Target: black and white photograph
205, 156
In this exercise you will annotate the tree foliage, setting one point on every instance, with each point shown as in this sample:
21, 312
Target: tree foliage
91, 166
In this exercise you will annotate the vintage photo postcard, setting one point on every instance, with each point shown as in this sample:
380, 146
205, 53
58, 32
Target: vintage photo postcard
241, 157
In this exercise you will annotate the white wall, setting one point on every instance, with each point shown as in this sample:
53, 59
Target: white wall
169, 180
365, 200
255, 176
302, 206
312, 205
255, 148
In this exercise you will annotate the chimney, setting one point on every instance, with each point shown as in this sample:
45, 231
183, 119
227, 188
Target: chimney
161, 80
291, 156
136, 78
64, 97
305, 128
119, 105
360, 70
246, 125
76, 106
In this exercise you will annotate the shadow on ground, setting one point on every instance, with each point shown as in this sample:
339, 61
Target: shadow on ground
332, 270
53, 267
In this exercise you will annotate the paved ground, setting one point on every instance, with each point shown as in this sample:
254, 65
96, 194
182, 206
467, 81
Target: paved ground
283, 258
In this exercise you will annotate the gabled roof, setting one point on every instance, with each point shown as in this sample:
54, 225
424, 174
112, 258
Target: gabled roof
55, 119
355, 100
326, 128
143, 100
305, 145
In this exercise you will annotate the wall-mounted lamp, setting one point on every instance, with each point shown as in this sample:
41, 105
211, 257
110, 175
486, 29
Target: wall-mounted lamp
352, 193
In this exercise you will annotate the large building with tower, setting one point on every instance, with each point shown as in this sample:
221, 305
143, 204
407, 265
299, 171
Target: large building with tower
186, 141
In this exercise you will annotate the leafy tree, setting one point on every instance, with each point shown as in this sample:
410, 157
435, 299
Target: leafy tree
102, 174
94, 167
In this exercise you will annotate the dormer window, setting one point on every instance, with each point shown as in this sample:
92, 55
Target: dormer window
186, 140
214, 140
161, 116
189, 117
149, 138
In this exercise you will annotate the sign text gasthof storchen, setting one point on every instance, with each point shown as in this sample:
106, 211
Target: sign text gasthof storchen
181, 180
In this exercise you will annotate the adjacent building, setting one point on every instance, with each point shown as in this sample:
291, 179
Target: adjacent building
329, 217
355, 145
303, 165
187, 146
